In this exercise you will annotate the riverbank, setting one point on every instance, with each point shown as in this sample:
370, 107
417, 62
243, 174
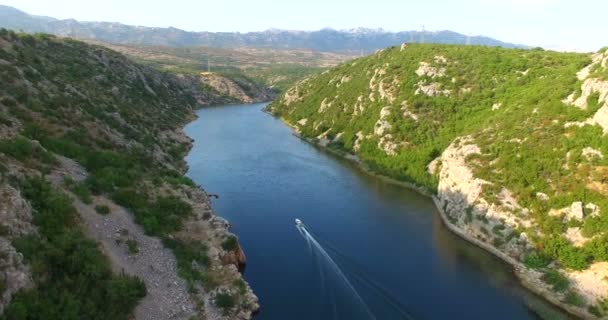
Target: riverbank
226, 258
529, 278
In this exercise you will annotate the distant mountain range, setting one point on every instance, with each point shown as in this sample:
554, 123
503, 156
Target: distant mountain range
354, 40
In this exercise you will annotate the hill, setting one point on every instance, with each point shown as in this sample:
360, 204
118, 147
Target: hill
265, 70
96, 218
356, 40
511, 144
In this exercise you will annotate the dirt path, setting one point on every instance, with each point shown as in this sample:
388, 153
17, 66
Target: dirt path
168, 296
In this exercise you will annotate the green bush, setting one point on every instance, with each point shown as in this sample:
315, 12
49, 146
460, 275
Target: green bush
73, 278
23, 149
225, 301
102, 209
81, 190
594, 310
574, 299
132, 246
558, 281
535, 260
230, 244
241, 285
189, 255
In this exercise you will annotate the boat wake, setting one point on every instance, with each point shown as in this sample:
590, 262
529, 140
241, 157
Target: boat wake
328, 266
316, 248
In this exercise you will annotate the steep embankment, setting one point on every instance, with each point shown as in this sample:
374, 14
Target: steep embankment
512, 143
96, 217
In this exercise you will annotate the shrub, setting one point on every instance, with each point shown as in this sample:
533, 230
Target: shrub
124, 292
574, 299
8, 101
558, 281
189, 255
469, 215
54, 211
241, 285
594, 310
535, 260
23, 149
225, 301
81, 190
73, 278
230, 244
497, 229
102, 209
132, 246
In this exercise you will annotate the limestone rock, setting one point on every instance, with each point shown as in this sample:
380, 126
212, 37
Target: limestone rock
431, 90
382, 125
324, 105
573, 212
425, 69
591, 153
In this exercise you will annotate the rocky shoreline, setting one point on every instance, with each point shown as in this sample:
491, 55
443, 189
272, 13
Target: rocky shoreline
529, 278
227, 264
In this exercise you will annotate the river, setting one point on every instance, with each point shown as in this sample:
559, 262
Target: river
388, 241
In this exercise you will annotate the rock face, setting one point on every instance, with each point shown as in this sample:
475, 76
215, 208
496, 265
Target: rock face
432, 89
590, 86
461, 196
493, 226
214, 231
245, 91
426, 69
15, 222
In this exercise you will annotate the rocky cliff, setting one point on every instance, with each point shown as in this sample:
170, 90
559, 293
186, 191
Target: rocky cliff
510, 142
97, 219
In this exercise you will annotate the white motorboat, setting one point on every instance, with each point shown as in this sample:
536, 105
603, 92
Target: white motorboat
298, 222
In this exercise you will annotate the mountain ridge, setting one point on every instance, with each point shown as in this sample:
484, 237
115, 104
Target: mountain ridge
352, 40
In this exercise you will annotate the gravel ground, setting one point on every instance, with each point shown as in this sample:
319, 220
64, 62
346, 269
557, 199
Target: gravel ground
168, 296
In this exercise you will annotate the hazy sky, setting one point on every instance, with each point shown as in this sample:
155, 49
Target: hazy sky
555, 24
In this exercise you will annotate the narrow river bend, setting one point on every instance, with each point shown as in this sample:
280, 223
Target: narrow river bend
388, 241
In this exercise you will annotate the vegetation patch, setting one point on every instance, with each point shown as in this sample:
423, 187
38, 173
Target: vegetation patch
74, 279
102, 209
557, 281
230, 244
225, 301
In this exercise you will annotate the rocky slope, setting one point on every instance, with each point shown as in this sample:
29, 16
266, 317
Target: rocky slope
512, 143
210, 88
322, 40
260, 68
96, 217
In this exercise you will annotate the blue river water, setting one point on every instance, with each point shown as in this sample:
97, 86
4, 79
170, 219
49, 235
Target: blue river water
387, 243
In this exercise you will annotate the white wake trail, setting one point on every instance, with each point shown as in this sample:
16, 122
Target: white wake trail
335, 268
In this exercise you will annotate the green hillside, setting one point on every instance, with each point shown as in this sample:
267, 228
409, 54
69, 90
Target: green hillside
400, 109
84, 127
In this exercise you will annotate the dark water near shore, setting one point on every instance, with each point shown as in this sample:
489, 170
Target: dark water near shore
388, 241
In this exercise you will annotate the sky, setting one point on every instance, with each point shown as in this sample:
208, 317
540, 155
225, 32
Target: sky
553, 24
